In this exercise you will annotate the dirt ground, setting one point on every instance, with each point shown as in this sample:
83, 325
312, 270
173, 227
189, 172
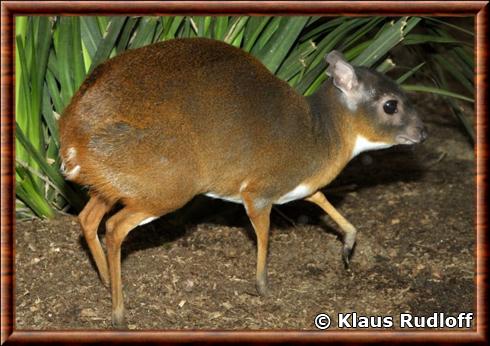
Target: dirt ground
414, 209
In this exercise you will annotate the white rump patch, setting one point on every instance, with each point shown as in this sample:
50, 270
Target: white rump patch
147, 220
363, 144
70, 155
72, 173
299, 192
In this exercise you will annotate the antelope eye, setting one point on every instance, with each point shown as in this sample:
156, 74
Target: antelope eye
390, 107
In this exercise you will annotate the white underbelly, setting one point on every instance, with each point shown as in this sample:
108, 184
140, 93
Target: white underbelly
234, 199
299, 192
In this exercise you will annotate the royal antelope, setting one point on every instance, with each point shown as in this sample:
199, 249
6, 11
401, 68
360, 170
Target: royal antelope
156, 126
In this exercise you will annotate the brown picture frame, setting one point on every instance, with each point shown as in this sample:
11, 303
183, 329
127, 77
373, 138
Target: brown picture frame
10, 9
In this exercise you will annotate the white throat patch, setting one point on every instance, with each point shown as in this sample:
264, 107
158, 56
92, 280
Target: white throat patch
363, 144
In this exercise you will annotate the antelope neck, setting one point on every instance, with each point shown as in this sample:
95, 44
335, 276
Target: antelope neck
333, 130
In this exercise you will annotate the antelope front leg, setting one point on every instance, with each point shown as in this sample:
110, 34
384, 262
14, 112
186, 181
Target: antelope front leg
349, 231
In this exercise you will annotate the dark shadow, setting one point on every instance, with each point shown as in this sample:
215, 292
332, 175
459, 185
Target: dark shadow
398, 164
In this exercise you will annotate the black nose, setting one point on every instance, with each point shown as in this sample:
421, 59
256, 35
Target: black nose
422, 132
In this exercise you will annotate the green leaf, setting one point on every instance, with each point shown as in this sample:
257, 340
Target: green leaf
266, 34
455, 70
78, 62
145, 31
323, 28
254, 28
236, 27
360, 33
38, 44
354, 52
453, 106
20, 34
65, 58
329, 42
22, 211
277, 48
32, 198
203, 23
23, 98
185, 29
385, 66
466, 54
49, 117
420, 39
103, 22
293, 47
174, 24
107, 43
53, 64
317, 73
125, 37
220, 24
159, 30
296, 61
43, 44
90, 33
456, 27
315, 84
458, 59
410, 73
53, 174
54, 92
438, 91
386, 40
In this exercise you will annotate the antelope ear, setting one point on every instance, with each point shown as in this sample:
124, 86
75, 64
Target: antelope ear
343, 74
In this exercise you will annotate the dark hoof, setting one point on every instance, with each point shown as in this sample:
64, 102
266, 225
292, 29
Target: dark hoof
346, 255
118, 320
261, 288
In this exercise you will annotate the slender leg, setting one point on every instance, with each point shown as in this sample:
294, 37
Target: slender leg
90, 218
349, 231
259, 214
118, 226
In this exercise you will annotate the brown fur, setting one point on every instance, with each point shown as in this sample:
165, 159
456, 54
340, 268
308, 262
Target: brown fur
156, 126
160, 122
